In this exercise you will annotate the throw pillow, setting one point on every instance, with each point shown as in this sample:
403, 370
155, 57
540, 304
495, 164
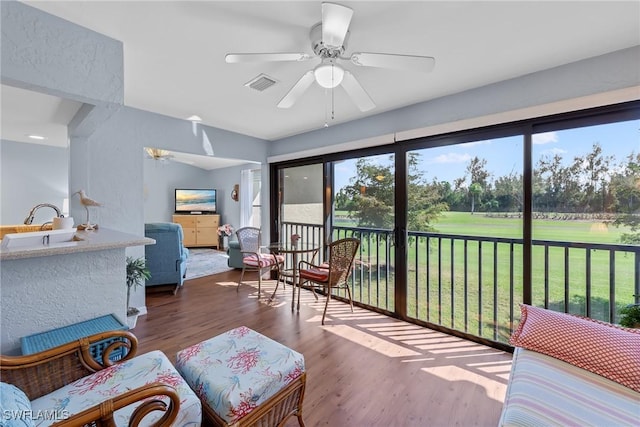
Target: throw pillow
599, 347
15, 407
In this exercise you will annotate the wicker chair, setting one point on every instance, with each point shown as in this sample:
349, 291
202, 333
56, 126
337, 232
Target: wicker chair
334, 273
42, 373
253, 257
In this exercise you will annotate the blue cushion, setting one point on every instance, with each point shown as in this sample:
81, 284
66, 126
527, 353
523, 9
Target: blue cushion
15, 407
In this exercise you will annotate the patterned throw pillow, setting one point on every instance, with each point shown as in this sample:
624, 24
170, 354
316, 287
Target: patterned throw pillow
15, 407
602, 348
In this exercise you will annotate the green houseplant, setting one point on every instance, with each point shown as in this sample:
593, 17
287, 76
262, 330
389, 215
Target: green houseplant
137, 273
630, 316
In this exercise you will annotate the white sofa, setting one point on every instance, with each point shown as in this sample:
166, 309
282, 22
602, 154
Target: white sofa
572, 371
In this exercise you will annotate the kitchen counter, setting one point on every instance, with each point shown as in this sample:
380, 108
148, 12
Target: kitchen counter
49, 287
84, 241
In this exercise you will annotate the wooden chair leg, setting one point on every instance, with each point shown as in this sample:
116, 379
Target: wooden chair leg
240, 281
326, 304
273, 295
350, 300
278, 279
259, 281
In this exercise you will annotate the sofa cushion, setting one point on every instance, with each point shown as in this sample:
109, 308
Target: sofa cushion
598, 347
102, 385
545, 391
15, 408
315, 274
262, 260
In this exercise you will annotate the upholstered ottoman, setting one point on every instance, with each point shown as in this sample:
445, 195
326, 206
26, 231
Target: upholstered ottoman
245, 379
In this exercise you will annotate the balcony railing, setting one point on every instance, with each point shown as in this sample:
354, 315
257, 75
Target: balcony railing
474, 284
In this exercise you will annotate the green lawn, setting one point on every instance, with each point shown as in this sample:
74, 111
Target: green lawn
480, 224
442, 292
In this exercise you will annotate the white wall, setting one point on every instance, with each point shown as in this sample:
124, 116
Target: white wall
31, 174
230, 209
109, 164
161, 178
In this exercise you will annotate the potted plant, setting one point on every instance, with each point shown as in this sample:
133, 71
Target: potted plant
630, 316
137, 273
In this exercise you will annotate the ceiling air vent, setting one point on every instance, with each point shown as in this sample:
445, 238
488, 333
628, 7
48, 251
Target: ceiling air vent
261, 82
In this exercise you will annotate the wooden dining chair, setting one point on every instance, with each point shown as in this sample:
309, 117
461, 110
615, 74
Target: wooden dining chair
334, 273
253, 256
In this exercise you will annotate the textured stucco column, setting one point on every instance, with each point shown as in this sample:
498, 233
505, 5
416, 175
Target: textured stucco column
39, 294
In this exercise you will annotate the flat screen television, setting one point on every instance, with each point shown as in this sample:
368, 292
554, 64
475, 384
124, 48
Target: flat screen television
195, 200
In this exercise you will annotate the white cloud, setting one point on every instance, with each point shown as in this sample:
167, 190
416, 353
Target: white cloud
545, 138
452, 158
471, 144
554, 151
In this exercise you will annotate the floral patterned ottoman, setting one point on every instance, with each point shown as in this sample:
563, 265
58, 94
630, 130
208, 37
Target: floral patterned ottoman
244, 378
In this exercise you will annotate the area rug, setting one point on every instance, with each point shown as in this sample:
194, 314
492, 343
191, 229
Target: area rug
204, 262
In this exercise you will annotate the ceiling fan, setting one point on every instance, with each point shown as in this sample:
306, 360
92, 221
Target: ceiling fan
158, 154
328, 41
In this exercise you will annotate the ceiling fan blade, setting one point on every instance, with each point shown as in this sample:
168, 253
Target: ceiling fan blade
357, 93
297, 90
234, 58
399, 62
335, 24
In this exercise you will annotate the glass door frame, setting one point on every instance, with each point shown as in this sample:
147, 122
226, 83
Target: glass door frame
527, 128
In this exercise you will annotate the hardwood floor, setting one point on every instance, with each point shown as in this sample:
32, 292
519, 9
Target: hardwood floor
363, 369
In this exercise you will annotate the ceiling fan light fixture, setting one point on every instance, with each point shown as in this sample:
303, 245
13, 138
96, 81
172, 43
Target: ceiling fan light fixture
158, 153
328, 74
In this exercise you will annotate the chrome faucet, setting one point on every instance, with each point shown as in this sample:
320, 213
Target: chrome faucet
29, 219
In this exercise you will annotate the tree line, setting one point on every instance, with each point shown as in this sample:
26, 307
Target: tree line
593, 183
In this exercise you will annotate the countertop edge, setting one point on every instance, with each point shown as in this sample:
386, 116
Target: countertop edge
101, 239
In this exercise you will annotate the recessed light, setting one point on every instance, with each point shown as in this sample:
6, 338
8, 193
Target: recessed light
195, 118
38, 137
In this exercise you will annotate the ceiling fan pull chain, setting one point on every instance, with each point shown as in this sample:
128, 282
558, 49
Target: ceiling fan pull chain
333, 115
326, 109
333, 105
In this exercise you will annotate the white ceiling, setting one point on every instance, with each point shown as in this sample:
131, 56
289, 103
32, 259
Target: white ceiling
27, 113
174, 52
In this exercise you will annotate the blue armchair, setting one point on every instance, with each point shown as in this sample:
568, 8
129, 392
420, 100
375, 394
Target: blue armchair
167, 259
235, 256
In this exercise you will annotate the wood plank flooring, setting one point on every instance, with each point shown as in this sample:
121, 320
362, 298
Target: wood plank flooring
363, 369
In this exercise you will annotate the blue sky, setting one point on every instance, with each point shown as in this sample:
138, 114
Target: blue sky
505, 155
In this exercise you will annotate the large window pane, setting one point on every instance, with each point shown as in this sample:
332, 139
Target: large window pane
300, 193
587, 191
364, 195
465, 235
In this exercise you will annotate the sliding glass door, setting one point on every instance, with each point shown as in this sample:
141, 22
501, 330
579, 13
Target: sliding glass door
465, 229
364, 207
300, 204
457, 230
